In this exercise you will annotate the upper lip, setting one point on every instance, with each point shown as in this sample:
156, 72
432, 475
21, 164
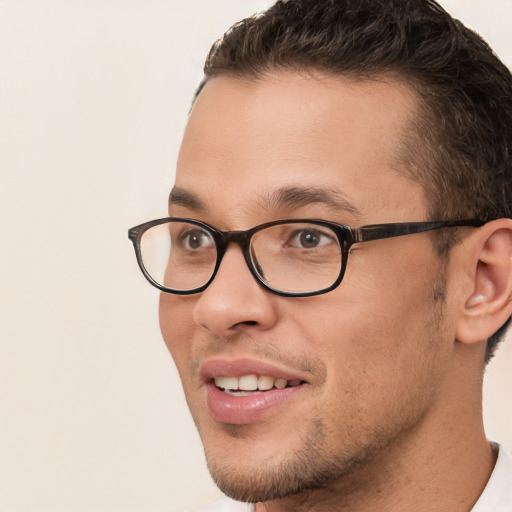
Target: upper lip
239, 367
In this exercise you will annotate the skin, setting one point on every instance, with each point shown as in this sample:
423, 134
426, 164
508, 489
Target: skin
390, 417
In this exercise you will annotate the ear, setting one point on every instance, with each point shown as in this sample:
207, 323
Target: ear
488, 304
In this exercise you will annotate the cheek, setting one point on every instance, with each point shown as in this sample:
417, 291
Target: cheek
375, 315
380, 369
378, 325
391, 280
176, 325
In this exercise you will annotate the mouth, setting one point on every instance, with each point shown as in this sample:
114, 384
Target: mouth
248, 385
246, 391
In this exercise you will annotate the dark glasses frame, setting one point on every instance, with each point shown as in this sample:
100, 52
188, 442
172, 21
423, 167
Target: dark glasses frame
347, 236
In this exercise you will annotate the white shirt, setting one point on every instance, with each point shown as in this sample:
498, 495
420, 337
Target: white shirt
497, 495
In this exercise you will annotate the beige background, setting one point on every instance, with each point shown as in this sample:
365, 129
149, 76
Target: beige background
93, 100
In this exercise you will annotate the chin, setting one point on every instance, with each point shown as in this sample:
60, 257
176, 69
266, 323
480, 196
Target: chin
250, 471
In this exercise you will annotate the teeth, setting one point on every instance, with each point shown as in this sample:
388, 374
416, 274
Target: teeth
248, 383
280, 383
265, 383
252, 383
227, 382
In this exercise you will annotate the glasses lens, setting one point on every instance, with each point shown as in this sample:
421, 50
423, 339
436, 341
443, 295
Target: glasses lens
180, 256
297, 257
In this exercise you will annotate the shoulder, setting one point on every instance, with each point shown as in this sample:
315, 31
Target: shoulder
497, 495
226, 505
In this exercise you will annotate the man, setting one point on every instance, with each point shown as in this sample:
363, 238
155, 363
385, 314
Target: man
336, 271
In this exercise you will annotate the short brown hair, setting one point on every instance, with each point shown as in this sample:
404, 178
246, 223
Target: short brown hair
460, 145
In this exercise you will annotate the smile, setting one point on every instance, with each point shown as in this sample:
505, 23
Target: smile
244, 391
248, 384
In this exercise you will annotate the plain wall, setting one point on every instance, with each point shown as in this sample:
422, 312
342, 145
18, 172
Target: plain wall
94, 96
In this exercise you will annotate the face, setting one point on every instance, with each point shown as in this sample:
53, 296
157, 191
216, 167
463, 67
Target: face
343, 377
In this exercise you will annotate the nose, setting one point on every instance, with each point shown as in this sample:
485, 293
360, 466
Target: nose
235, 301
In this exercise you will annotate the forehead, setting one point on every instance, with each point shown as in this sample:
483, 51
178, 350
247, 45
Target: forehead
246, 141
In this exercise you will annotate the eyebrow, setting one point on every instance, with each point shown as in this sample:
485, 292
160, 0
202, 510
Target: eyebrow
181, 197
297, 197
284, 198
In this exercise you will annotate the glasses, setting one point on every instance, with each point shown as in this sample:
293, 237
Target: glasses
292, 258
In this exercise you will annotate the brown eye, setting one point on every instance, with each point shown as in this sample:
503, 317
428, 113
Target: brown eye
308, 238
195, 239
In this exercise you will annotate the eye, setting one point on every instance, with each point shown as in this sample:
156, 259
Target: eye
194, 239
309, 238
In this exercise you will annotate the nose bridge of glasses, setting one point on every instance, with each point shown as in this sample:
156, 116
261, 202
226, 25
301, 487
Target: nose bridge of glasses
241, 238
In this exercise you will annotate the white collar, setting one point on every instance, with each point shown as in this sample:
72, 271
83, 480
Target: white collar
497, 495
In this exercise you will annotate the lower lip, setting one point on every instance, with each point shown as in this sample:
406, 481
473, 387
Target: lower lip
246, 409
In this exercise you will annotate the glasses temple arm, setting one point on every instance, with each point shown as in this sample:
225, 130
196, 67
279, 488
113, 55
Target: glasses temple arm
379, 231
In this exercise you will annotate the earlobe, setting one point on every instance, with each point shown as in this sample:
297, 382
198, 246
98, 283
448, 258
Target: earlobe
487, 307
